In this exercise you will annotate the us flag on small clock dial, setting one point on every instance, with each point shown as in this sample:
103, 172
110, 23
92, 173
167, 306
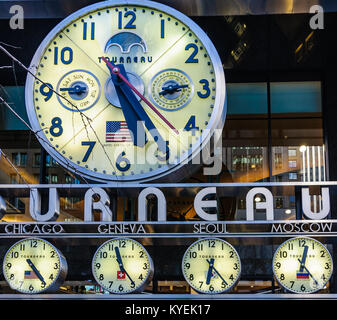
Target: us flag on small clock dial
117, 131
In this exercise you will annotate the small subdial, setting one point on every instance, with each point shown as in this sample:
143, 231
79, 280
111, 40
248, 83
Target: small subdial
171, 89
80, 89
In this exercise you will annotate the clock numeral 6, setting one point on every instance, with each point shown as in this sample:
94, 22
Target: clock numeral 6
120, 159
56, 128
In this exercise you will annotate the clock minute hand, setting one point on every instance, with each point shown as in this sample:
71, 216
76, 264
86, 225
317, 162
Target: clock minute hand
120, 262
130, 115
209, 273
30, 263
141, 114
304, 257
116, 71
216, 271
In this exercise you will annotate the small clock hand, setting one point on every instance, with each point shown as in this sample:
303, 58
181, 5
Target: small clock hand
209, 273
30, 263
302, 265
216, 271
76, 89
172, 89
120, 262
116, 71
304, 257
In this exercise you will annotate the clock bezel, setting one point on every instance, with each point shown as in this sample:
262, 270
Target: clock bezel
231, 287
59, 279
293, 239
145, 282
169, 172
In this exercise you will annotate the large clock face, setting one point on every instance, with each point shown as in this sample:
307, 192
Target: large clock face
87, 122
302, 265
122, 265
211, 266
34, 266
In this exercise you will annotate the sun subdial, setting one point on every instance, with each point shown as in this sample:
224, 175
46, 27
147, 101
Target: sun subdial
171, 89
80, 90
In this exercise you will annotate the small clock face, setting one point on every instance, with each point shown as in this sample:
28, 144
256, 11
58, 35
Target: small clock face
77, 110
211, 266
302, 265
122, 266
34, 266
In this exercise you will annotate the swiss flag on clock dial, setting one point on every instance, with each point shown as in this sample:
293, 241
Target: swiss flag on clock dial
120, 275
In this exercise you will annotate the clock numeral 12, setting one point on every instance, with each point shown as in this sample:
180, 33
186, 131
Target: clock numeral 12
130, 24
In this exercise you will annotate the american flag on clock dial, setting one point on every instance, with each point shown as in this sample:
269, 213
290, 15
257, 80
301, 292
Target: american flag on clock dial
117, 131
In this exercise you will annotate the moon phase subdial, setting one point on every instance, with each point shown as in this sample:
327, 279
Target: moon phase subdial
81, 90
171, 89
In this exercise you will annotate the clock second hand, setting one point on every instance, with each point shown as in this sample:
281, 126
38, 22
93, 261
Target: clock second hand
119, 260
116, 71
216, 271
30, 263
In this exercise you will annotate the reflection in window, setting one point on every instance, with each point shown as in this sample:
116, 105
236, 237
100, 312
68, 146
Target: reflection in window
19, 159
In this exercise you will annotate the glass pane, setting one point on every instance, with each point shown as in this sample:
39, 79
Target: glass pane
247, 98
298, 152
245, 149
294, 97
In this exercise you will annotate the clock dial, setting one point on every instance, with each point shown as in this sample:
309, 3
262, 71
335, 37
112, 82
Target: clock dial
211, 266
122, 265
34, 266
302, 265
77, 109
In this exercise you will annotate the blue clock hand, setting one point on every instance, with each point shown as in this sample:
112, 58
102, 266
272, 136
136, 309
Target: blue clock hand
142, 115
120, 262
216, 271
77, 89
209, 273
131, 117
304, 257
30, 263
171, 89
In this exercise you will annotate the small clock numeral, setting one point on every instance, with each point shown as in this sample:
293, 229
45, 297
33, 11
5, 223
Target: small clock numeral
123, 163
205, 88
191, 58
85, 31
129, 24
91, 145
190, 125
46, 90
162, 28
56, 128
66, 55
